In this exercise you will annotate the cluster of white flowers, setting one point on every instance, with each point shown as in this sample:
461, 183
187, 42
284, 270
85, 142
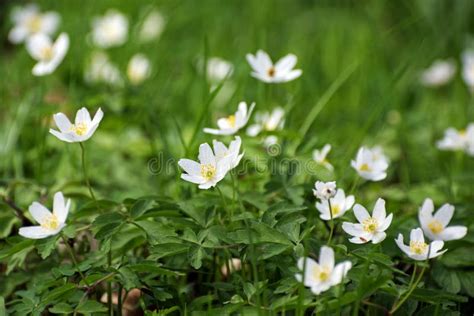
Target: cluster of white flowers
458, 140
35, 29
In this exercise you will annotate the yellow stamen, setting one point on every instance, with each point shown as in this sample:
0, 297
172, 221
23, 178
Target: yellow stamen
321, 274
80, 129
208, 171
231, 120
46, 53
370, 224
435, 226
335, 209
34, 24
51, 223
365, 167
418, 247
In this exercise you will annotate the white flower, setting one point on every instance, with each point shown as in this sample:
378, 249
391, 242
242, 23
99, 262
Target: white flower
320, 157
324, 190
29, 20
208, 172
110, 30
458, 139
229, 157
282, 71
435, 226
267, 121
269, 143
439, 73
138, 69
50, 223
319, 277
152, 27
233, 123
218, 69
100, 69
340, 204
82, 129
232, 265
468, 68
418, 249
48, 54
371, 164
370, 228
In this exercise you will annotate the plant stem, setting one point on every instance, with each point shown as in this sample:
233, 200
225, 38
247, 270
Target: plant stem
396, 306
74, 259
331, 223
84, 170
109, 284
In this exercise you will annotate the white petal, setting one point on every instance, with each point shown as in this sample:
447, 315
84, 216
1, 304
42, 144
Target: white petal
386, 223
360, 240
264, 61
378, 237
285, 64
292, 75
36, 232
18, 34
62, 122
353, 229
379, 211
97, 117
206, 156
417, 235
402, 246
453, 233
360, 213
320, 287
60, 208
36, 44
83, 116
435, 248
326, 257
444, 214
39, 212
192, 179
340, 271
218, 131
425, 214
190, 167
62, 136
254, 130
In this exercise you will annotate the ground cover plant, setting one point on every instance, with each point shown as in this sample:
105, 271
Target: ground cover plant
237, 157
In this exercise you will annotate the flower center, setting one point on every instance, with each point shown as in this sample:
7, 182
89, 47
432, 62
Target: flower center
51, 223
370, 224
436, 227
418, 247
34, 24
321, 274
80, 129
271, 71
335, 209
208, 171
46, 53
365, 167
231, 120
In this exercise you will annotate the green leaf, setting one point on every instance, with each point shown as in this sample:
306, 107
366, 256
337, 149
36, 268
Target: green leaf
58, 293
61, 308
249, 290
3, 311
152, 268
91, 307
459, 257
195, 255
446, 278
140, 207
130, 279
46, 246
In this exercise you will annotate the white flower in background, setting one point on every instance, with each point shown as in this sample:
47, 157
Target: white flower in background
47, 54
340, 204
217, 69
152, 27
439, 73
207, 172
228, 156
324, 190
320, 156
82, 129
264, 69
418, 249
319, 277
267, 121
371, 164
29, 20
370, 228
232, 265
435, 226
138, 69
269, 143
233, 123
100, 69
458, 139
468, 68
110, 29
50, 223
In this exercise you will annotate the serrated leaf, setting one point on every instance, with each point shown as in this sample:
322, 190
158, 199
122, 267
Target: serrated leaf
91, 307
61, 308
140, 207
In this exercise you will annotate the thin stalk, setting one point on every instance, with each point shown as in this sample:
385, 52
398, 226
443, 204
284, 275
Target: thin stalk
84, 170
119, 303
74, 259
221, 195
331, 223
109, 284
412, 288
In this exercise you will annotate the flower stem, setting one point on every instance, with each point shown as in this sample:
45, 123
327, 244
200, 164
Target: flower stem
84, 170
74, 259
396, 306
109, 284
331, 223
